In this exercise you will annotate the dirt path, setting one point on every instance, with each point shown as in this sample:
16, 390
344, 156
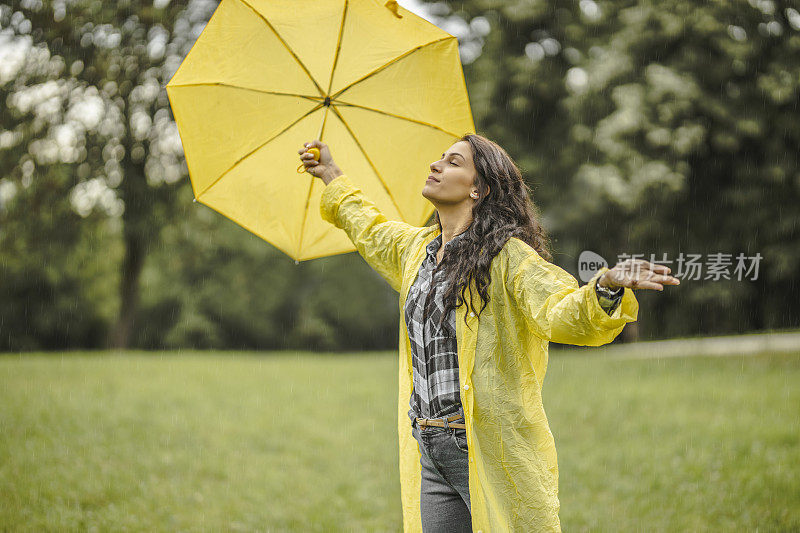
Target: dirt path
707, 346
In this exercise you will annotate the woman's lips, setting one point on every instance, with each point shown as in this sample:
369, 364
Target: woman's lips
431, 178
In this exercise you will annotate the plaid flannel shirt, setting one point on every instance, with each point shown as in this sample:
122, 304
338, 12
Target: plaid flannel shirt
435, 392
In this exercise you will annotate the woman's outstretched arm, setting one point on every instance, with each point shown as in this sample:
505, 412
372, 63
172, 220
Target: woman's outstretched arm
381, 242
558, 310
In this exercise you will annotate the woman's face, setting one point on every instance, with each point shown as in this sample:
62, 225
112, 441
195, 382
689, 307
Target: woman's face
452, 177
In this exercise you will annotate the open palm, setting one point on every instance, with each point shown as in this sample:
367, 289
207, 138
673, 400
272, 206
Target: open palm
638, 274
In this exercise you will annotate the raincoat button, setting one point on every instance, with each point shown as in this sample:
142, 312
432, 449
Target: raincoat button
466, 387
472, 313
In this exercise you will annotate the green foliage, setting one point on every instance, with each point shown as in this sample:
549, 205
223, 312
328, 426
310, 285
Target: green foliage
87, 95
212, 284
643, 127
57, 271
699, 150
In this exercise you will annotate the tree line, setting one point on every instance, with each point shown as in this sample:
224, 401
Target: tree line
668, 127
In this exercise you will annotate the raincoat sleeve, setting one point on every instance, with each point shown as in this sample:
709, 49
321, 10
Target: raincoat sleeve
558, 310
381, 242
609, 304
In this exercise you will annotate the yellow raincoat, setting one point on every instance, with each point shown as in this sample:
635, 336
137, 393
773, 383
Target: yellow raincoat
502, 358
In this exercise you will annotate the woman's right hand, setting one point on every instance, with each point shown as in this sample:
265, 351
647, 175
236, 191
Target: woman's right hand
325, 168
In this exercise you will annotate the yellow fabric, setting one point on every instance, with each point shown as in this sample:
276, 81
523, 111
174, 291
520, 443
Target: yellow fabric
252, 90
502, 359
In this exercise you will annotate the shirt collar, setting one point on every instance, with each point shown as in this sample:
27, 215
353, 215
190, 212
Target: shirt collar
435, 244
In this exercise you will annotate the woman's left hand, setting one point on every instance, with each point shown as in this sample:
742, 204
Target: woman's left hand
638, 274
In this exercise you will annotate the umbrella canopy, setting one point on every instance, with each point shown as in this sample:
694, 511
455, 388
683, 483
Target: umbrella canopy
381, 86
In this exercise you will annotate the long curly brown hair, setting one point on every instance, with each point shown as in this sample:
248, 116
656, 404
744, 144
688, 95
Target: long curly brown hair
504, 209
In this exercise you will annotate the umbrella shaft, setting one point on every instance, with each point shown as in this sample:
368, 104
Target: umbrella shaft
321, 126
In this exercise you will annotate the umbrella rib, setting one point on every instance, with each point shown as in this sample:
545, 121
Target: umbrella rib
285, 46
324, 118
255, 150
393, 61
415, 121
338, 46
228, 85
380, 178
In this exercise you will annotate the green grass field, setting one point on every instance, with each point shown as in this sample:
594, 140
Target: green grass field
305, 442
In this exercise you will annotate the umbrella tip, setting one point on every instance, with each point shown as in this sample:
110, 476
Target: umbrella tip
392, 6
296, 262
194, 200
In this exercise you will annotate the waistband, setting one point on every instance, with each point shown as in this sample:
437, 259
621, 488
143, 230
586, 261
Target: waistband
441, 422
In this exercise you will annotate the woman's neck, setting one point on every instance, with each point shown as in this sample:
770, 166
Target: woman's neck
454, 223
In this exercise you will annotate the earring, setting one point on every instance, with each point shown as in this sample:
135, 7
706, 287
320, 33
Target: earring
474, 195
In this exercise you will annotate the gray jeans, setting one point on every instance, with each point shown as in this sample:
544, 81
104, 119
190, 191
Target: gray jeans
444, 501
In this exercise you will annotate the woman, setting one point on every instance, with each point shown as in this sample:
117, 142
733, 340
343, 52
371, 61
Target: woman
479, 303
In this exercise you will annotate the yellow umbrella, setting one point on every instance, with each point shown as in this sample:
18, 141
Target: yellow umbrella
381, 86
